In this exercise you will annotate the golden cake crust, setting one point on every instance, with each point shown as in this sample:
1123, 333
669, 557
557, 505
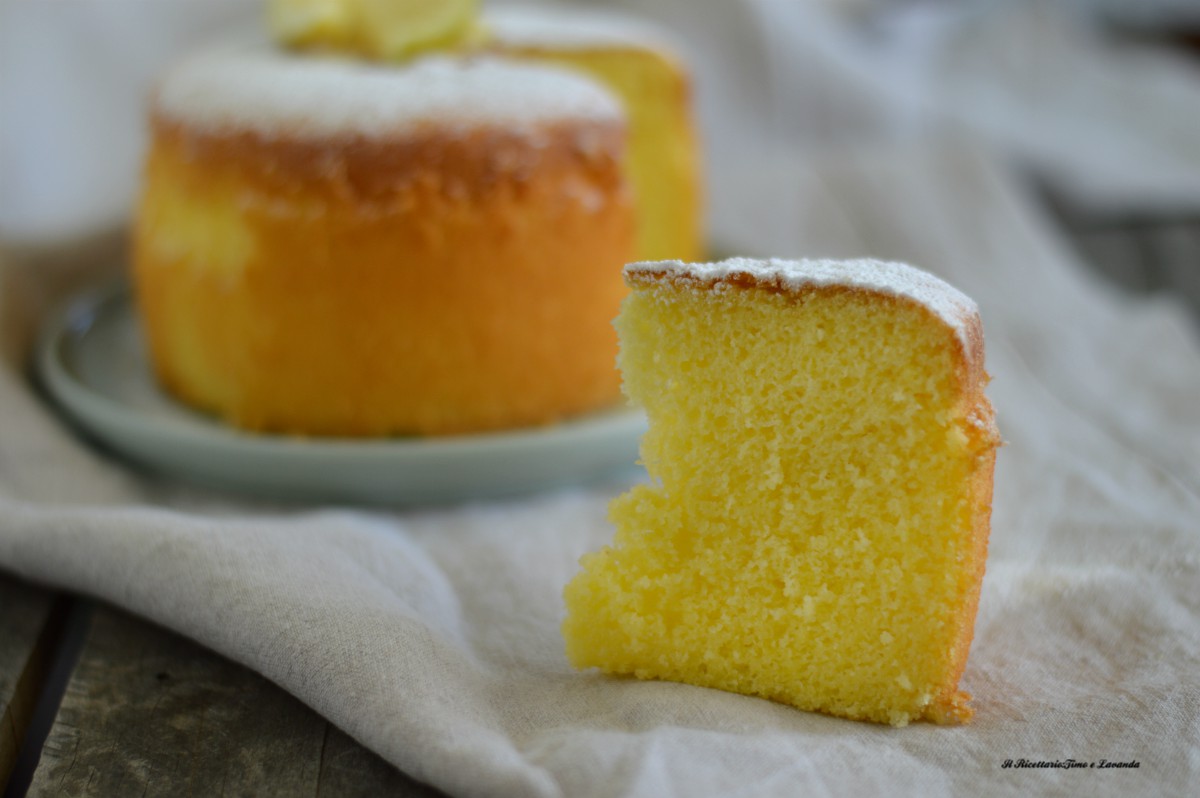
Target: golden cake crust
439, 279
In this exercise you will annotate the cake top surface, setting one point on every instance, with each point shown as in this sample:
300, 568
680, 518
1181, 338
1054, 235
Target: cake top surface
252, 86
883, 277
568, 28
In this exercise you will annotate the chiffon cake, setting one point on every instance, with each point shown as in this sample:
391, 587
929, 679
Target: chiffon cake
327, 246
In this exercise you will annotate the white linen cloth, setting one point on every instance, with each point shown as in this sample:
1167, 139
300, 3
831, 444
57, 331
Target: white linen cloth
432, 636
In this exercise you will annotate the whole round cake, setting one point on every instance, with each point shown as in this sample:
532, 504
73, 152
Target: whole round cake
328, 247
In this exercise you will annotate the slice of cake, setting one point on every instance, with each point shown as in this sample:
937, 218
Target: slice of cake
821, 454
640, 64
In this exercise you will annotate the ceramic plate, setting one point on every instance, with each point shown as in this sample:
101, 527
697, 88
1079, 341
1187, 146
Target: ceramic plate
92, 360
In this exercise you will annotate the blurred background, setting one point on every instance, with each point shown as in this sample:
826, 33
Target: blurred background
1096, 104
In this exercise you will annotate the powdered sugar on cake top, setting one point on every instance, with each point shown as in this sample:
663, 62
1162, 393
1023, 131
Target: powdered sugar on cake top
884, 277
247, 86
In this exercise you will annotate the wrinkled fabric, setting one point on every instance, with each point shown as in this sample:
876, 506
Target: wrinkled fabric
432, 636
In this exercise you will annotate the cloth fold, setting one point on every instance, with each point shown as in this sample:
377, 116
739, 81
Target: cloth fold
432, 636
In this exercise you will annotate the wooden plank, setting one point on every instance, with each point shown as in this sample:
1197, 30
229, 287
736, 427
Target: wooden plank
147, 712
25, 643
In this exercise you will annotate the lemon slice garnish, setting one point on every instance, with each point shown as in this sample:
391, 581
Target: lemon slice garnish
311, 23
383, 29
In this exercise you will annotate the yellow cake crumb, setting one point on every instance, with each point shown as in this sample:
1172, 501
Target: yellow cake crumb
816, 527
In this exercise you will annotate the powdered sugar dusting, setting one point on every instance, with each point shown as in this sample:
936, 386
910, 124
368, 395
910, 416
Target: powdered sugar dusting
305, 95
884, 277
573, 28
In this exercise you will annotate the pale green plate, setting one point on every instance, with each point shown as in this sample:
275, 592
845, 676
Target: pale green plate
92, 360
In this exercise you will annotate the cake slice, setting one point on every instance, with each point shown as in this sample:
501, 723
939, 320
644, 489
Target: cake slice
821, 454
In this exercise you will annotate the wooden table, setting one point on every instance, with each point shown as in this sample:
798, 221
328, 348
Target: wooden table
147, 712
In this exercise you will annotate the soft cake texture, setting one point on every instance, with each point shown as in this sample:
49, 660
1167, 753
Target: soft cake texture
325, 248
639, 64
821, 455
